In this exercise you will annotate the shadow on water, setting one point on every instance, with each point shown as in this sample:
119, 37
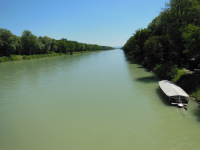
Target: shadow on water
196, 112
130, 60
144, 69
152, 79
163, 97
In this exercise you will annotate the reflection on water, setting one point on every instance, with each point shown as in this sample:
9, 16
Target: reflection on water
98, 101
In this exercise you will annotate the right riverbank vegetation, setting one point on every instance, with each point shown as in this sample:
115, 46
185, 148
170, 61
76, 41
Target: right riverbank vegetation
171, 41
29, 46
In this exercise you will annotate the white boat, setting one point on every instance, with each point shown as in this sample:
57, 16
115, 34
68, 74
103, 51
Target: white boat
177, 96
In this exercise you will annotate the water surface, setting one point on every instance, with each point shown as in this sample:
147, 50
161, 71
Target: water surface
93, 101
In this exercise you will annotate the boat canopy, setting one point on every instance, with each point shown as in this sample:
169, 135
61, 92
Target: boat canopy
171, 89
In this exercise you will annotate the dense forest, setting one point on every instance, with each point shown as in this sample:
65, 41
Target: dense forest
172, 38
170, 41
29, 44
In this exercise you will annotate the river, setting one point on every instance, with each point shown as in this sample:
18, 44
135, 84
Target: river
90, 101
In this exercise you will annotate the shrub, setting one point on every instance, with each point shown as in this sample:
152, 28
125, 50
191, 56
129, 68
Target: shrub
166, 71
26, 57
178, 75
196, 94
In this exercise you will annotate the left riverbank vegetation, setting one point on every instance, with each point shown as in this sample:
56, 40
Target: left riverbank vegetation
28, 46
171, 40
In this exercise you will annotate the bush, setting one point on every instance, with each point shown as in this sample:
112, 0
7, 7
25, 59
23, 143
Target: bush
166, 71
179, 74
26, 57
14, 58
190, 83
196, 94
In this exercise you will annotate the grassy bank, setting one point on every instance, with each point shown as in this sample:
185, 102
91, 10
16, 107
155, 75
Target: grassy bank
26, 57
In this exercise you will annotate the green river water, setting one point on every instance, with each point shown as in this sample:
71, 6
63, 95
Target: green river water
91, 101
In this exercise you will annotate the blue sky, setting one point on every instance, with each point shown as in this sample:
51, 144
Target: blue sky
102, 22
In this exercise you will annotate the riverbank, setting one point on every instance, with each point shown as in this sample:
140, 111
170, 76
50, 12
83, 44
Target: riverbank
26, 57
167, 71
188, 82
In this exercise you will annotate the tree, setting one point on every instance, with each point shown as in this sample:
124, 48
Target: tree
18, 44
47, 44
7, 42
29, 42
82, 47
63, 39
191, 36
54, 46
70, 46
153, 49
135, 44
155, 26
77, 46
40, 48
177, 15
62, 47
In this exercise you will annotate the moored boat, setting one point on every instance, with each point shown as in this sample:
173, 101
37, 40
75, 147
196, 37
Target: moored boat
176, 95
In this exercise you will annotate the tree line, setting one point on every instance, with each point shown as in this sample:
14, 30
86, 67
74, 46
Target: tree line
172, 37
29, 44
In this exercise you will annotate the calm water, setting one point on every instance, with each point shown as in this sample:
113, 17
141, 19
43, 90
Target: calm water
94, 101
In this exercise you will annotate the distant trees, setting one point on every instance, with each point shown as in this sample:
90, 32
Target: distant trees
8, 42
29, 44
71, 46
18, 44
82, 47
54, 46
172, 36
46, 41
62, 47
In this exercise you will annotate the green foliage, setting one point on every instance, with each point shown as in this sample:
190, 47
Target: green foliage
15, 57
135, 44
178, 75
62, 47
82, 47
153, 49
29, 44
46, 41
155, 26
54, 46
172, 36
71, 46
26, 57
18, 44
196, 94
166, 71
7, 42
77, 46
148, 63
191, 84
191, 36
4, 59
